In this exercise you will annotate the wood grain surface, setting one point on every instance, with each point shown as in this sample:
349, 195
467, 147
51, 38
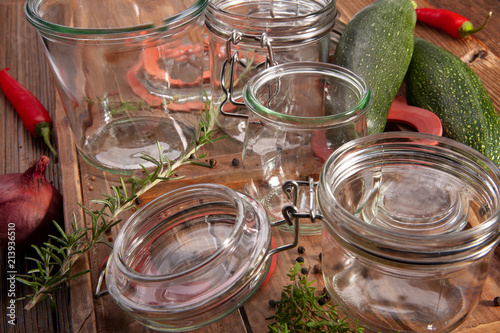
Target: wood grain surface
77, 310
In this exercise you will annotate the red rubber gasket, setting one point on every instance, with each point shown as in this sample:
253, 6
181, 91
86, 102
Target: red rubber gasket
422, 120
273, 263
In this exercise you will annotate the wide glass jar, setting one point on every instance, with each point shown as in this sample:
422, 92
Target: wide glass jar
129, 74
246, 37
299, 114
190, 257
411, 222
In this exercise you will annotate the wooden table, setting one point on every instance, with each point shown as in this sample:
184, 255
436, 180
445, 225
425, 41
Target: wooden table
21, 50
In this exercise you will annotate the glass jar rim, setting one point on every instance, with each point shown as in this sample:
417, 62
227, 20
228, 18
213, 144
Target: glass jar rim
330, 70
212, 6
281, 31
156, 206
428, 248
184, 17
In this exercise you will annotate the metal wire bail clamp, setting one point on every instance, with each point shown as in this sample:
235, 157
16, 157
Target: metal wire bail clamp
231, 61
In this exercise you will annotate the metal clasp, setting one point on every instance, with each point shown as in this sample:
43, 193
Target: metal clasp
291, 213
291, 188
231, 61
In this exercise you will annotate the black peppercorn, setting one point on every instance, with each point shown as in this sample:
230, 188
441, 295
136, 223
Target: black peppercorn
235, 162
322, 300
213, 162
272, 303
304, 270
299, 259
301, 249
496, 301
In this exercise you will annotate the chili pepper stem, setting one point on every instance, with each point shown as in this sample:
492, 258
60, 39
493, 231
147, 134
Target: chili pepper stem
43, 130
467, 28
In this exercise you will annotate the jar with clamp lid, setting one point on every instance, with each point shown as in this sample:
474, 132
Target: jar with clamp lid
299, 114
247, 37
411, 222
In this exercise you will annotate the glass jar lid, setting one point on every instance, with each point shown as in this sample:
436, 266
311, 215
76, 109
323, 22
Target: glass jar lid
280, 93
190, 257
413, 198
285, 22
94, 19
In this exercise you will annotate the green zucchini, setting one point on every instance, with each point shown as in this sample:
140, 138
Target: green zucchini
377, 44
440, 82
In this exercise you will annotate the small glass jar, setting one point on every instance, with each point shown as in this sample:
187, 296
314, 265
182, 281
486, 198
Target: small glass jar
246, 37
129, 74
299, 114
411, 223
190, 257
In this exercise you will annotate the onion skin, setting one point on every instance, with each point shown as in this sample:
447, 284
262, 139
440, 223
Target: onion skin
31, 203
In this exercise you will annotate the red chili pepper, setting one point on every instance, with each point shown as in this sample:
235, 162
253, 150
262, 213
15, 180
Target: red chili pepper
33, 114
455, 25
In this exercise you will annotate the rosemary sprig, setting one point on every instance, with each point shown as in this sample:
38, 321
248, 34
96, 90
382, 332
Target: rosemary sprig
299, 309
56, 258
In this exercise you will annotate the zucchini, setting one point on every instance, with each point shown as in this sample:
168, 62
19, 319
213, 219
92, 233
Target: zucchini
377, 44
440, 82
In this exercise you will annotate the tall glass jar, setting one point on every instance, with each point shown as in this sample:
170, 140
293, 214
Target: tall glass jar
299, 114
191, 257
129, 74
411, 223
246, 37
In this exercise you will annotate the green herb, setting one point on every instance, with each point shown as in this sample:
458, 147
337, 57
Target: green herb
55, 260
299, 309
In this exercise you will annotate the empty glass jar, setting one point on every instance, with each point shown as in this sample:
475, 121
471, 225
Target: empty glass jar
129, 74
411, 222
246, 37
190, 257
299, 114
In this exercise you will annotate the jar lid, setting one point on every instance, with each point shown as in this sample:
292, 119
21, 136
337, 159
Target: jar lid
190, 257
284, 21
411, 197
342, 95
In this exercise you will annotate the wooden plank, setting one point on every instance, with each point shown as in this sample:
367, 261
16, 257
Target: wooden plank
20, 50
81, 302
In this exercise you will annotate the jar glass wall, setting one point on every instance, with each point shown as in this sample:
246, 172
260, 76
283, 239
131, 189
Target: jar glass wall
247, 37
129, 74
299, 114
410, 224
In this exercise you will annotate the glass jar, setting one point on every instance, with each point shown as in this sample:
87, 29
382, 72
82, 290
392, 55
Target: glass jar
129, 74
299, 114
411, 223
190, 257
246, 37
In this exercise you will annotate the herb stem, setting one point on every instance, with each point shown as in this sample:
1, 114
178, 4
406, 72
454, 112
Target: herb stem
54, 264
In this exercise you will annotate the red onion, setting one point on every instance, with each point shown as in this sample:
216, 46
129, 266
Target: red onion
28, 205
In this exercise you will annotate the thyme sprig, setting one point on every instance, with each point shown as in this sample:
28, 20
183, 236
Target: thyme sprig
300, 309
56, 258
